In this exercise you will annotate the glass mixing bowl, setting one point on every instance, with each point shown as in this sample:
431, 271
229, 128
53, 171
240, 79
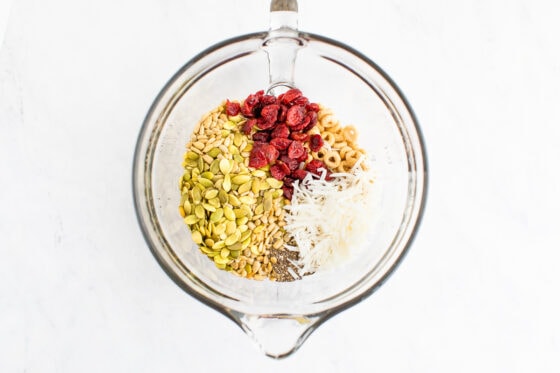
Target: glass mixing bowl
280, 315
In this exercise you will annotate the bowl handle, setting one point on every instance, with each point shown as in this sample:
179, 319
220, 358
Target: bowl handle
282, 44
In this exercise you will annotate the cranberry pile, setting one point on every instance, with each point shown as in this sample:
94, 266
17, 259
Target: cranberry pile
279, 127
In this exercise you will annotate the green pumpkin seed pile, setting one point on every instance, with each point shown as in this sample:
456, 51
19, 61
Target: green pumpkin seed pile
235, 214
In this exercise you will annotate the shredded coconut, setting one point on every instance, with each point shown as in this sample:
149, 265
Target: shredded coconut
327, 218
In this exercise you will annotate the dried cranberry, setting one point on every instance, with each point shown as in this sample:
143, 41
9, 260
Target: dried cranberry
270, 152
313, 107
279, 170
296, 149
314, 166
250, 105
264, 124
288, 181
257, 158
295, 116
291, 163
299, 174
268, 100
288, 192
303, 157
280, 143
270, 112
299, 136
312, 117
284, 167
291, 95
281, 130
315, 142
232, 108
301, 101
259, 145
261, 136
282, 113
247, 127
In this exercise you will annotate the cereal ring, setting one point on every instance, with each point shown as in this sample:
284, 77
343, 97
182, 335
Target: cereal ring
338, 137
340, 145
323, 113
350, 133
328, 138
341, 168
320, 155
348, 164
329, 121
353, 154
336, 129
344, 150
332, 160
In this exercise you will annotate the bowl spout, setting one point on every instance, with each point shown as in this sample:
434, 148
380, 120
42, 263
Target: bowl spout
278, 336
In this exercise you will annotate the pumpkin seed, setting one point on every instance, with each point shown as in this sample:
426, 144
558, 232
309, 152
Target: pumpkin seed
228, 213
233, 238
217, 215
214, 152
225, 166
240, 179
200, 164
207, 175
248, 200
239, 213
191, 219
196, 195
214, 202
196, 237
187, 207
230, 227
191, 156
244, 188
199, 211
219, 260
208, 207
206, 250
245, 235
267, 200
206, 183
187, 175
259, 209
223, 196
210, 193
215, 166
233, 150
235, 247
274, 183
226, 185
234, 201
229, 125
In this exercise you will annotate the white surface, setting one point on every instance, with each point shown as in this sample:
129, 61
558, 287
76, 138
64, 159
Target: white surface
79, 289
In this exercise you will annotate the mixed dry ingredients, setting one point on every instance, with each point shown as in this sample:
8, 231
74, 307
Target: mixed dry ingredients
274, 187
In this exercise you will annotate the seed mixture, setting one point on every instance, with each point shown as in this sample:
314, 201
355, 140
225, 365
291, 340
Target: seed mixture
243, 163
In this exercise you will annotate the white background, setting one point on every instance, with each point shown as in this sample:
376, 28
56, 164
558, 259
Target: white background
79, 289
